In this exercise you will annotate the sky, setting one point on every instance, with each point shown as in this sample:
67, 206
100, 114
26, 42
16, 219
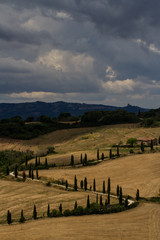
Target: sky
88, 51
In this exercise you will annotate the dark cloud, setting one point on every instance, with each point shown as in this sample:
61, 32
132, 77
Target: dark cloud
80, 47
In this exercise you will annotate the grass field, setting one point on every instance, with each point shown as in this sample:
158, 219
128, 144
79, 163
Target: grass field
141, 223
132, 172
15, 196
137, 171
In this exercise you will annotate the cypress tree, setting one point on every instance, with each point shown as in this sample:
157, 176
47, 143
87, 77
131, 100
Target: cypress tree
85, 159
142, 146
37, 176
110, 153
46, 163
117, 190
22, 218
48, 211
39, 161
85, 184
32, 175
75, 205
36, 162
66, 184
30, 171
60, 209
151, 145
7, 170
94, 185
81, 184
34, 212
108, 197
75, 183
101, 201
24, 175
81, 159
126, 202
9, 217
97, 199
26, 162
159, 140
137, 195
98, 154
104, 187
16, 171
109, 185
120, 196
102, 156
118, 151
88, 202
72, 160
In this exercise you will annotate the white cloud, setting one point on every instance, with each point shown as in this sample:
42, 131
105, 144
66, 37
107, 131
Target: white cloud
110, 73
66, 61
119, 86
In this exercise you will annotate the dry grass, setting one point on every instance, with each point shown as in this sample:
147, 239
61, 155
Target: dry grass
15, 196
81, 139
141, 223
137, 171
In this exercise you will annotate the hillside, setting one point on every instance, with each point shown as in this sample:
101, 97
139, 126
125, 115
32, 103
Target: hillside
36, 109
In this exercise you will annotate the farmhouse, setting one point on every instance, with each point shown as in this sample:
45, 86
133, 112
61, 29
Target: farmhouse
147, 141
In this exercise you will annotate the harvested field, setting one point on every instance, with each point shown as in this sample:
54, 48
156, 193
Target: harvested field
15, 196
141, 223
137, 171
81, 139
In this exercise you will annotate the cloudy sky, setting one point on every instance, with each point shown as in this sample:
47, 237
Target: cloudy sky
92, 51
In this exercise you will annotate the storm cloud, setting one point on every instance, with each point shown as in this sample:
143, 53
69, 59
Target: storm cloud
105, 51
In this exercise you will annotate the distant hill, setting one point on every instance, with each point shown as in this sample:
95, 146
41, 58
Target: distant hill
36, 109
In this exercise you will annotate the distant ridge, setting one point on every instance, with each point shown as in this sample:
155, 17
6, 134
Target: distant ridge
36, 109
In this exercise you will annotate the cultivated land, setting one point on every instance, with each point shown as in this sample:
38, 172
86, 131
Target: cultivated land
131, 172
136, 224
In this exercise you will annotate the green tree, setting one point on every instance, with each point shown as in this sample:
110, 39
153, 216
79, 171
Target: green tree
108, 197
120, 196
46, 163
97, 199
75, 183
104, 187
137, 195
9, 217
24, 175
94, 185
22, 218
102, 156
37, 176
48, 211
88, 202
66, 184
85, 184
151, 145
110, 154
60, 209
75, 205
7, 170
109, 185
98, 154
34, 212
26, 162
16, 171
132, 141
101, 201
81, 184
118, 151
81, 159
85, 159
72, 160
117, 190
32, 173
142, 146
36, 162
